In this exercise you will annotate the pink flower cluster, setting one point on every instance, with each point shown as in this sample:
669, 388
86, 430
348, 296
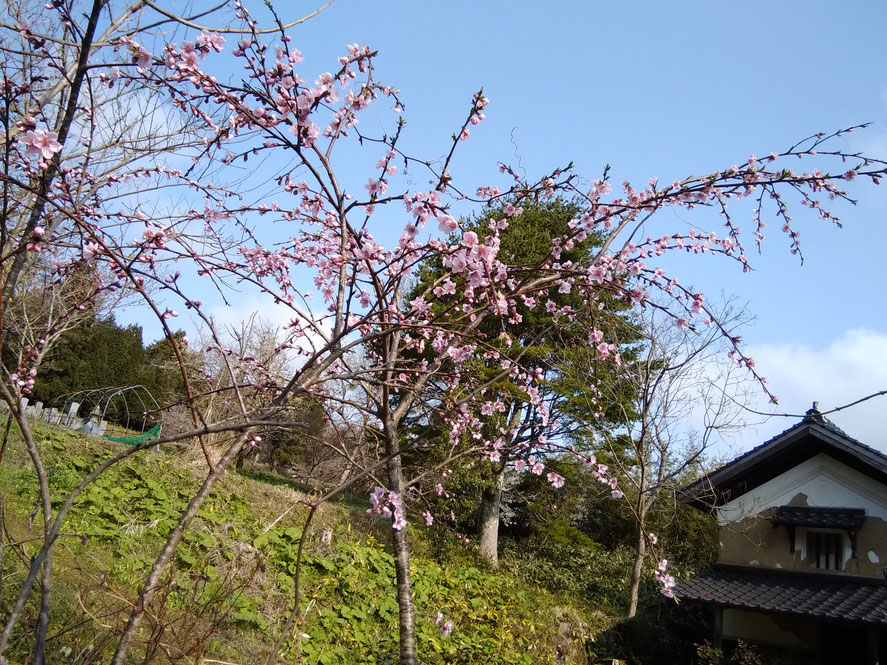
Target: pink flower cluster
390, 505
25, 381
446, 627
667, 581
33, 244
41, 143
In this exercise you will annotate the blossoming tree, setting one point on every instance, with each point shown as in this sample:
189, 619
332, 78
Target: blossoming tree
296, 220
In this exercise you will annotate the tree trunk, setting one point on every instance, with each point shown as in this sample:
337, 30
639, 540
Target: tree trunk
346, 473
152, 582
640, 553
5, 436
39, 657
488, 520
402, 567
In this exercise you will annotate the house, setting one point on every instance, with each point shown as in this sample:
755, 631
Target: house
803, 545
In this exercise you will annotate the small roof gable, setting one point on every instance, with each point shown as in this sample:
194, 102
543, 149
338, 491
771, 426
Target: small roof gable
820, 518
813, 435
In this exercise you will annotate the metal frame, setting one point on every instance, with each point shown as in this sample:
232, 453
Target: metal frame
101, 399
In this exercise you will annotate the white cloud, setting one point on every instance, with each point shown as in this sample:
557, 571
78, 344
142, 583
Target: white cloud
278, 315
247, 307
847, 369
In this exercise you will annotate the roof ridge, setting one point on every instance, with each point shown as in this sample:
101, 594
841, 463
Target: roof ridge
815, 424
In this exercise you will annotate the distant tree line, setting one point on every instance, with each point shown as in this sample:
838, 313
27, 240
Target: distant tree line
101, 353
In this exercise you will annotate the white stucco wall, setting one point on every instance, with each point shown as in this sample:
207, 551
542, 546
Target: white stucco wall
826, 483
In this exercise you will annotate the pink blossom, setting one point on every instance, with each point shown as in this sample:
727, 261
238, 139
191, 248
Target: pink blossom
90, 250
213, 40
41, 142
447, 224
447, 288
389, 506
377, 499
420, 305
376, 186
469, 239
556, 480
460, 354
667, 581
141, 57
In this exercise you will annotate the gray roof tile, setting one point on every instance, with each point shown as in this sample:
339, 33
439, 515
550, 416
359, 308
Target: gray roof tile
827, 596
824, 518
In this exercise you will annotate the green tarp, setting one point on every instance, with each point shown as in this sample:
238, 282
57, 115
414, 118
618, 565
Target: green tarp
152, 433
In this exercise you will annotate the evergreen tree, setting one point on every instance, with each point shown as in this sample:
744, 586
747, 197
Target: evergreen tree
95, 355
543, 345
161, 373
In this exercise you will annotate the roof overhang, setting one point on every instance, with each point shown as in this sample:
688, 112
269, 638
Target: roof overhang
803, 441
832, 597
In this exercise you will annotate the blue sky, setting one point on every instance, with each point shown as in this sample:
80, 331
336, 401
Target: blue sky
666, 90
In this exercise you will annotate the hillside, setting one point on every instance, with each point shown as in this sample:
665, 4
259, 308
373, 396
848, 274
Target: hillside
232, 583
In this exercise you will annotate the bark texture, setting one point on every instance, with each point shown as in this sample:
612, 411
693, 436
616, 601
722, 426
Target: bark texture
640, 553
488, 519
169, 549
407, 612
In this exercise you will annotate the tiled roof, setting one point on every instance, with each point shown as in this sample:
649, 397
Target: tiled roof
825, 518
830, 597
812, 417
812, 435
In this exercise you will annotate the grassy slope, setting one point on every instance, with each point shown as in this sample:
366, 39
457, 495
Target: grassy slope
231, 588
